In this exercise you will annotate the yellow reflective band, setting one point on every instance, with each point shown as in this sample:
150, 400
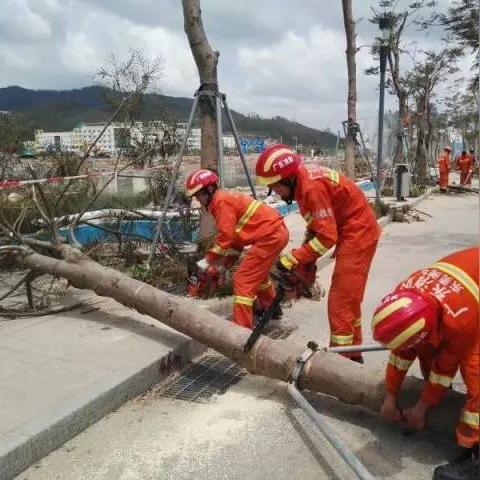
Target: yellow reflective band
265, 285
389, 309
218, 249
470, 418
243, 300
252, 208
458, 274
274, 156
288, 261
308, 218
399, 363
406, 334
333, 176
440, 379
358, 322
317, 246
341, 339
268, 180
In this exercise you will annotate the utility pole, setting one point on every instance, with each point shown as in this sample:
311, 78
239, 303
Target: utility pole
384, 25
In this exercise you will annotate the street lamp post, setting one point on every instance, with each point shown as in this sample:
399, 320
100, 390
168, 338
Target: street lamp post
384, 24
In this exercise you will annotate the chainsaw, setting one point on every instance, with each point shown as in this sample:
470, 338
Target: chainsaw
294, 284
202, 283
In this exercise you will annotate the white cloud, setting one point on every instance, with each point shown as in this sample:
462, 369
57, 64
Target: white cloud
18, 22
278, 57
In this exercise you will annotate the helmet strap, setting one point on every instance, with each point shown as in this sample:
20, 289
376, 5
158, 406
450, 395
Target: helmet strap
210, 191
291, 183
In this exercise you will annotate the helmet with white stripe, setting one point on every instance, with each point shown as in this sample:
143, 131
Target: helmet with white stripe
199, 179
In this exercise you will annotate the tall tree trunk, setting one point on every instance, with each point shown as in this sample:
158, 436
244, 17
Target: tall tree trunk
325, 372
420, 154
402, 112
352, 88
206, 60
428, 135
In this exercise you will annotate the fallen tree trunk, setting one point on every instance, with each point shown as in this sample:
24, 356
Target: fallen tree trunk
325, 372
463, 188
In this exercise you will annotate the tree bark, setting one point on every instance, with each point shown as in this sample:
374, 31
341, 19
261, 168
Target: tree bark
206, 60
325, 372
402, 111
420, 154
352, 87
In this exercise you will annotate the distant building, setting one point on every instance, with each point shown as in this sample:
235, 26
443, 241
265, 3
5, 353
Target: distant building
65, 141
116, 138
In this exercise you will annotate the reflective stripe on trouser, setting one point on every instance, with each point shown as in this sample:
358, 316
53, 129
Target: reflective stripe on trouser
346, 295
443, 179
253, 271
467, 427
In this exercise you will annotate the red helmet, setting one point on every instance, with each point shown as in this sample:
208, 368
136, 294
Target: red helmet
276, 163
404, 319
198, 180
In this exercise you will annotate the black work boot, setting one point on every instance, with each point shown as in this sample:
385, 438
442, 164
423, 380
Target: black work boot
465, 467
277, 313
358, 359
258, 312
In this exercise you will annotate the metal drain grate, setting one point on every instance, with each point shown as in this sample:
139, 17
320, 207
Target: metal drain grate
212, 375
280, 333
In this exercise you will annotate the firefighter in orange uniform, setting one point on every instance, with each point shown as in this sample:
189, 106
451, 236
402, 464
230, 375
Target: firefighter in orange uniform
337, 213
444, 168
464, 164
468, 180
433, 315
241, 221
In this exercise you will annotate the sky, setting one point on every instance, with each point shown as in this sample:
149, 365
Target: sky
277, 57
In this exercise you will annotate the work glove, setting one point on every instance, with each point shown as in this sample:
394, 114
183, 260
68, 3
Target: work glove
286, 263
203, 265
230, 261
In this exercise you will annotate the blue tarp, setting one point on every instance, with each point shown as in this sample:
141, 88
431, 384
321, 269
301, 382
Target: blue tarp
173, 228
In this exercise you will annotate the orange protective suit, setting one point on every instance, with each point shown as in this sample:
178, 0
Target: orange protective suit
337, 213
453, 282
464, 164
241, 221
443, 168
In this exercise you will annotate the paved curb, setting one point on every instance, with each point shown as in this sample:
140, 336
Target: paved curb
49, 432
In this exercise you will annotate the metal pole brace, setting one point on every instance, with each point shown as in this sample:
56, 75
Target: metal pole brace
302, 359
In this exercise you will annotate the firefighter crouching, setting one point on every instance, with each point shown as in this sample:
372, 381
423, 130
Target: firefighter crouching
241, 221
434, 315
337, 213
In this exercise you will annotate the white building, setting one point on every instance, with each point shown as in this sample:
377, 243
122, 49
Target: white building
194, 138
117, 136
66, 141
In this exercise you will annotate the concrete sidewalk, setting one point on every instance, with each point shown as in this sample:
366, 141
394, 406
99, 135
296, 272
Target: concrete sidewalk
63, 372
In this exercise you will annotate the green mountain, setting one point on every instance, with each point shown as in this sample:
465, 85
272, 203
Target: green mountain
60, 110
